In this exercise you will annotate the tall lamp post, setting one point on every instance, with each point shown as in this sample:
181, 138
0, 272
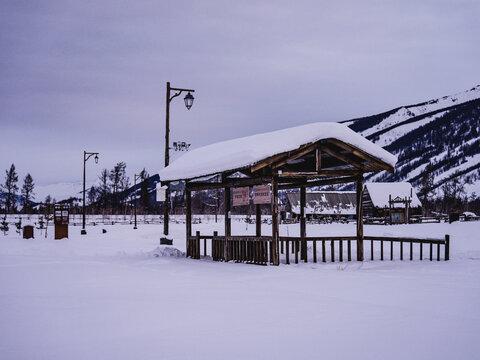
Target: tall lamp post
135, 197
86, 156
188, 103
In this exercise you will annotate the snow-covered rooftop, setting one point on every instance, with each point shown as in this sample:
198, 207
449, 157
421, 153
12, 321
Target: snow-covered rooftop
380, 192
246, 151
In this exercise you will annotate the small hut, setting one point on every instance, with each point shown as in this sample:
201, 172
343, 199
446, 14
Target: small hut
300, 157
392, 203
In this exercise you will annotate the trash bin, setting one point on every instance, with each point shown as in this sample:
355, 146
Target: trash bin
28, 232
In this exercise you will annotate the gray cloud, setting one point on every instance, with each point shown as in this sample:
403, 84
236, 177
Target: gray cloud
91, 75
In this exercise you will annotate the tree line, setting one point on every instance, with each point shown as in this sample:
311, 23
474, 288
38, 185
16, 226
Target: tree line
113, 194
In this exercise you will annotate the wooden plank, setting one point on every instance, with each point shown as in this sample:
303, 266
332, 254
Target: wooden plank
332, 250
359, 153
340, 251
303, 224
287, 253
268, 161
342, 157
258, 220
318, 159
359, 189
294, 155
447, 247
294, 183
406, 239
323, 251
275, 232
230, 182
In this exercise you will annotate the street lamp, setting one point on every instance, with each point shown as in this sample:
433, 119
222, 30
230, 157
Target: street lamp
135, 197
86, 156
188, 104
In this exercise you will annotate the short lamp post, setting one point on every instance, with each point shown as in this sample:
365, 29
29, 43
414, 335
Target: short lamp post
86, 156
135, 197
188, 104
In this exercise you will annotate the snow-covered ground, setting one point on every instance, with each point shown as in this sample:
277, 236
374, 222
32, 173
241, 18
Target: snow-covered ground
120, 295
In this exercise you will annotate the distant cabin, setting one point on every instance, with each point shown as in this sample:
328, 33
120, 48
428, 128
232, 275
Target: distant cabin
394, 202
324, 204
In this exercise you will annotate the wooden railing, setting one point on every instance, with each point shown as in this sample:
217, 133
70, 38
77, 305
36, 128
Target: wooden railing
249, 249
410, 241
257, 249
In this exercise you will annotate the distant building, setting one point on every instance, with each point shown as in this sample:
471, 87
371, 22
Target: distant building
321, 204
394, 202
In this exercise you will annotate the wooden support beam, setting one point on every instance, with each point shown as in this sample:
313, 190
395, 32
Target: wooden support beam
228, 221
231, 182
296, 182
295, 155
303, 224
359, 220
318, 159
258, 220
275, 232
361, 154
348, 159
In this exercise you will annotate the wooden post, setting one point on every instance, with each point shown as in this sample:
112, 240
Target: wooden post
287, 253
228, 222
447, 247
401, 250
340, 250
371, 250
431, 251
214, 246
323, 251
314, 251
188, 222
258, 221
349, 247
421, 251
275, 255
359, 220
411, 250
391, 250
197, 245
303, 224
332, 248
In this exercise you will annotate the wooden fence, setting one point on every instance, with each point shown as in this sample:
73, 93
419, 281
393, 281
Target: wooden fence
257, 249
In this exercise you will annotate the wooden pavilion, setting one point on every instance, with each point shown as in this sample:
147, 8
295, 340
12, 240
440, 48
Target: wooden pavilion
300, 157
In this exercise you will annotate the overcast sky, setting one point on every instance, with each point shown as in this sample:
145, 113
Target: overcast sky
91, 75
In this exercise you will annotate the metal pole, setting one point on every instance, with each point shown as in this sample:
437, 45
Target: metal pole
166, 203
83, 232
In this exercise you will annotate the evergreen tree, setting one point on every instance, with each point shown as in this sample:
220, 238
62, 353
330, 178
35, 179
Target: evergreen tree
103, 190
426, 187
10, 189
117, 177
144, 195
92, 197
27, 193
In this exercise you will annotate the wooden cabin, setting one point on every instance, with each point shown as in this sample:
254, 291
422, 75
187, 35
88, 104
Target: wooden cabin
392, 203
301, 157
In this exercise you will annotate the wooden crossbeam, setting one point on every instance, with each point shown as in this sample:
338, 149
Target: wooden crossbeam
348, 159
361, 154
295, 155
299, 183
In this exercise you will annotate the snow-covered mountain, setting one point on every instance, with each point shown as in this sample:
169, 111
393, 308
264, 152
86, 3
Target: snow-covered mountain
443, 133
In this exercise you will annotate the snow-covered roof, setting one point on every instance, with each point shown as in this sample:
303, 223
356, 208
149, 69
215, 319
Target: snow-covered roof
246, 151
380, 192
